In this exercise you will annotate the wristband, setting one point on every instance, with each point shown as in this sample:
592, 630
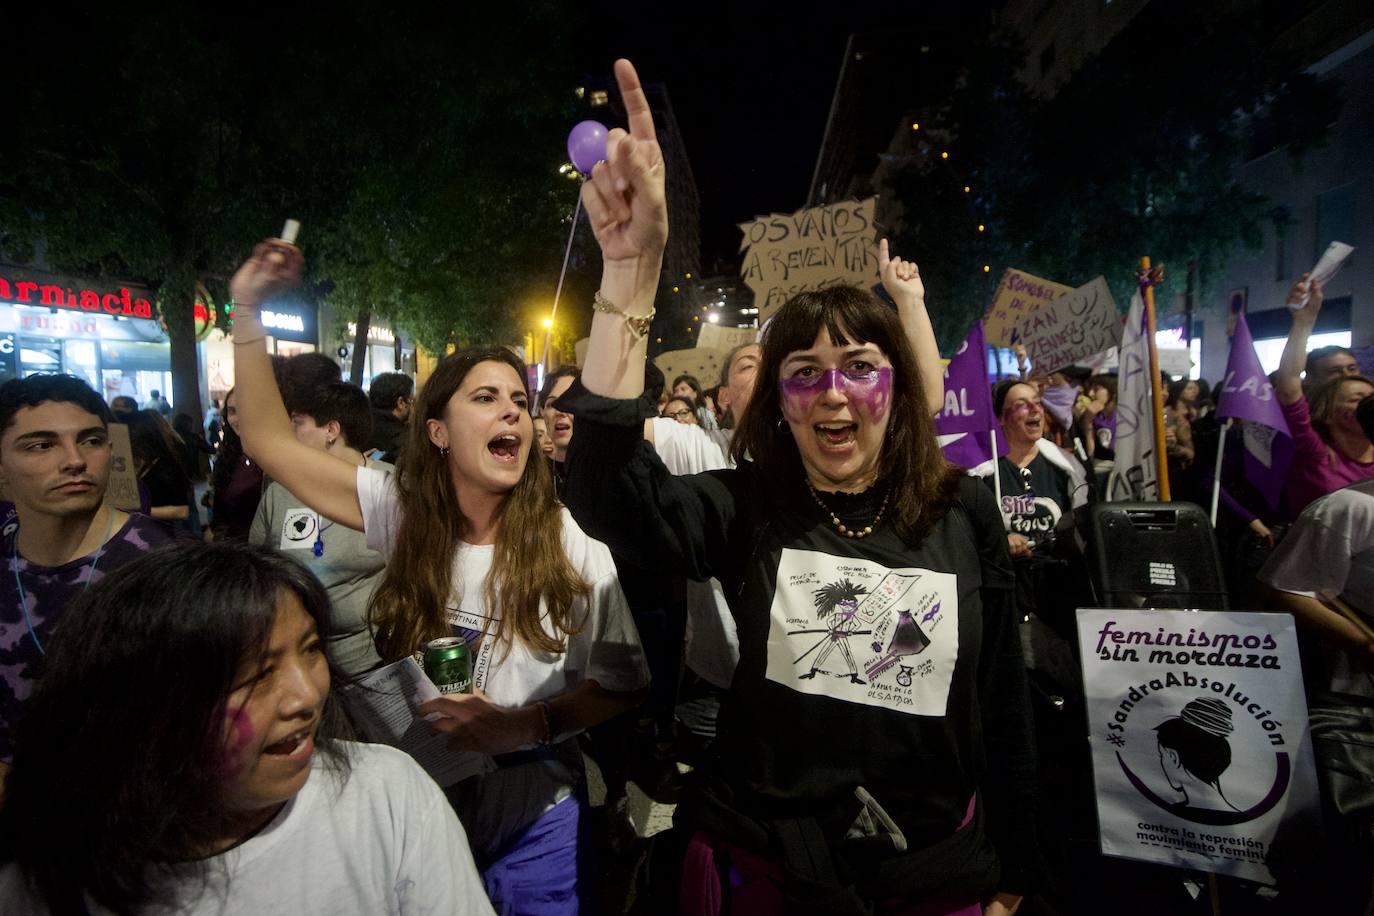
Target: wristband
638, 324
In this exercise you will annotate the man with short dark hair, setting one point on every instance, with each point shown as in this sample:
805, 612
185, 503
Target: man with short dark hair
55, 461
123, 405
391, 394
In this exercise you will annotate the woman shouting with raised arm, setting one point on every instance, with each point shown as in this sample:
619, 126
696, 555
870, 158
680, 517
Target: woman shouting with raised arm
873, 751
477, 547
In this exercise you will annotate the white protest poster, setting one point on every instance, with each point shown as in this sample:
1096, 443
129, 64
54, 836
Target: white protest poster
1072, 327
715, 337
699, 362
788, 253
1198, 727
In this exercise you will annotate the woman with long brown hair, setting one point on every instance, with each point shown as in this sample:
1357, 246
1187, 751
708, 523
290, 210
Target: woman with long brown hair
478, 547
873, 752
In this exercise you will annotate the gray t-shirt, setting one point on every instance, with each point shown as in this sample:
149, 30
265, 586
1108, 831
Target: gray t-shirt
339, 557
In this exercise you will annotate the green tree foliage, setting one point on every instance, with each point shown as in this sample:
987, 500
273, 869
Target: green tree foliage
421, 160
1134, 155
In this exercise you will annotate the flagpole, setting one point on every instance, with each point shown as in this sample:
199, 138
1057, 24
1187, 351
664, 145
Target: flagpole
558, 291
1156, 390
1216, 473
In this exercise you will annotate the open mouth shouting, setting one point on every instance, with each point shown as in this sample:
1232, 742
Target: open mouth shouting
295, 747
837, 435
505, 447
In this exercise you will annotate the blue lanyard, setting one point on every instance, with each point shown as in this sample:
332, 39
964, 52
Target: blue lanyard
19, 583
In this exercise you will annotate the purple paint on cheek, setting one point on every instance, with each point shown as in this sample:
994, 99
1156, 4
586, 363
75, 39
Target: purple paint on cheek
798, 394
871, 395
243, 735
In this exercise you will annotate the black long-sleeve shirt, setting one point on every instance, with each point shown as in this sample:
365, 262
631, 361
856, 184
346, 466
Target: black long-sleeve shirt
863, 662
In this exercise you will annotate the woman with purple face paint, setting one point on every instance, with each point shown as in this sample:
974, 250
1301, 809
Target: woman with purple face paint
873, 752
196, 676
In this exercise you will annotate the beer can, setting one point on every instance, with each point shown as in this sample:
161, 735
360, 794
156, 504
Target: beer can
449, 664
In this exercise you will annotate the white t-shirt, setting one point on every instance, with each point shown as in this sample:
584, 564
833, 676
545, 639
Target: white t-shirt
384, 842
606, 650
712, 641
1330, 549
688, 449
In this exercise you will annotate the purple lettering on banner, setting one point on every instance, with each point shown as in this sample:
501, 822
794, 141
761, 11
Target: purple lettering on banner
1247, 395
871, 392
968, 405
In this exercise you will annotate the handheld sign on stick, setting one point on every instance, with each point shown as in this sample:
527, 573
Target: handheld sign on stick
290, 231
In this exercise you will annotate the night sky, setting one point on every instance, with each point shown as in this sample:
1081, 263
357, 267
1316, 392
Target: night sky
752, 85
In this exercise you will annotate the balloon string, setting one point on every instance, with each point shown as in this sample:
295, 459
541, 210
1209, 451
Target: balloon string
558, 292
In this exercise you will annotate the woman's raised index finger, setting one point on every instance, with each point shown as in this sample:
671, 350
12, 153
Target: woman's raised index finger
636, 105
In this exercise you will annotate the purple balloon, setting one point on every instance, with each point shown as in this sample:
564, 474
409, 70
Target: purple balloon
587, 145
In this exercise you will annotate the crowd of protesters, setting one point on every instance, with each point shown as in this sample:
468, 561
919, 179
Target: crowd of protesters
647, 574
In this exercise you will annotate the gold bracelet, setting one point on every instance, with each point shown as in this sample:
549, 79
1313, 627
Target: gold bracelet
638, 324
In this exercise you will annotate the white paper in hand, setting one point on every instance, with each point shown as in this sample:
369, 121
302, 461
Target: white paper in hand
1327, 267
383, 703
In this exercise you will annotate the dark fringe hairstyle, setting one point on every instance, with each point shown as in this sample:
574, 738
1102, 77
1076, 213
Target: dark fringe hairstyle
923, 485
118, 770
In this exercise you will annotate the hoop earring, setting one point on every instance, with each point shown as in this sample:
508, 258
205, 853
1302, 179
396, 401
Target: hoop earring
783, 428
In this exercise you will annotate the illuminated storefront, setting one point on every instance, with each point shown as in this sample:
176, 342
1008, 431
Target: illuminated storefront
106, 336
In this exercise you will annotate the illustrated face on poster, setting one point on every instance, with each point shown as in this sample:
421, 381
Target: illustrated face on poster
1198, 727
857, 631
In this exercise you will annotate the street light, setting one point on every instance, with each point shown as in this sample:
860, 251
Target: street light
548, 322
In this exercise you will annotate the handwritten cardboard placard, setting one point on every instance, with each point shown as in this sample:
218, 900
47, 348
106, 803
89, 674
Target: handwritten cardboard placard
1074, 326
715, 337
1018, 294
699, 362
123, 490
1198, 726
789, 253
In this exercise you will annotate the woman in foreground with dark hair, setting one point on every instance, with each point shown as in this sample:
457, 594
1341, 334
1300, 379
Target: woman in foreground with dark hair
873, 752
168, 759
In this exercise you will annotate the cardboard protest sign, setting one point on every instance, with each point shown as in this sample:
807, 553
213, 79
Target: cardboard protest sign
123, 489
699, 362
1074, 326
1018, 294
789, 253
715, 337
1198, 725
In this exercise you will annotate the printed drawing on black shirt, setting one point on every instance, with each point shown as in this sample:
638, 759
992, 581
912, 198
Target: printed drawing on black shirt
857, 631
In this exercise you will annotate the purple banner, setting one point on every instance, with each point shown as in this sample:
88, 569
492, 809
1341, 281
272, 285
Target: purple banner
968, 397
1246, 394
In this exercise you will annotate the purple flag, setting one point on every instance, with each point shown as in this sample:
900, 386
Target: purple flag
968, 405
1246, 394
